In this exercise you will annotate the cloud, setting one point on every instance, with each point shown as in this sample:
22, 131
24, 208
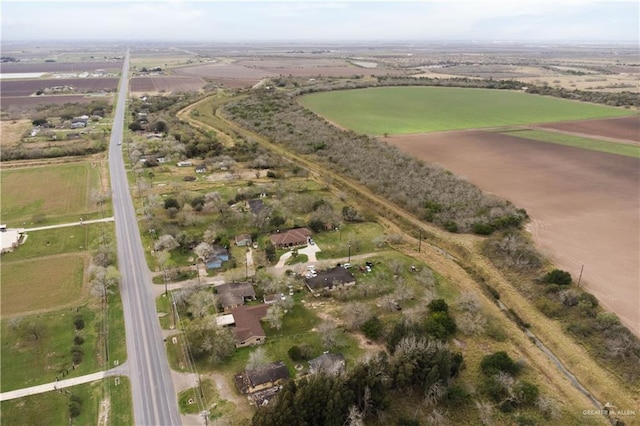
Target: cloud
319, 20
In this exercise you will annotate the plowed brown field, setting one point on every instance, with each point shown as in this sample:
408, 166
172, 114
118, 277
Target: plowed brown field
585, 205
30, 101
78, 67
28, 87
626, 128
166, 84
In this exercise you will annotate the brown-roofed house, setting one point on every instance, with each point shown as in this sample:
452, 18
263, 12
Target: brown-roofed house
261, 378
291, 238
232, 295
248, 330
330, 279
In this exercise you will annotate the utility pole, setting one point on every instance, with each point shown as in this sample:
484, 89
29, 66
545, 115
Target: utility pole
580, 278
349, 252
420, 241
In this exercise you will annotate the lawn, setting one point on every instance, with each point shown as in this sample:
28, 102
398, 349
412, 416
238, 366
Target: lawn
52, 408
54, 241
46, 283
37, 348
578, 141
361, 236
47, 191
404, 110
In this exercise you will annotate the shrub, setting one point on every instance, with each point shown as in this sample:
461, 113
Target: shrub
438, 305
482, 228
526, 392
499, 361
372, 328
78, 322
76, 354
295, 353
451, 226
171, 203
557, 276
606, 320
75, 406
78, 340
440, 325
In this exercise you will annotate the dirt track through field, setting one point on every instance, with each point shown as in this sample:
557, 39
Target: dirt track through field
584, 204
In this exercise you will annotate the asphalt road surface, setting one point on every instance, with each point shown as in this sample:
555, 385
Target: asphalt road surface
154, 398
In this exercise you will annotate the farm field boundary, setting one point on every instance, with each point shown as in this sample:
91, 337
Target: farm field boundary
549, 136
406, 110
550, 332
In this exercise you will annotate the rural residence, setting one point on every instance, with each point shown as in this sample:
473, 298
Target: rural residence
331, 364
330, 279
243, 240
9, 238
233, 295
262, 378
248, 331
217, 257
291, 238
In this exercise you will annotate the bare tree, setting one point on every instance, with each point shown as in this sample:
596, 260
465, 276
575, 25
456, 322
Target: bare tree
165, 242
485, 412
258, 358
202, 303
355, 314
203, 250
274, 316
355, 417
102, 280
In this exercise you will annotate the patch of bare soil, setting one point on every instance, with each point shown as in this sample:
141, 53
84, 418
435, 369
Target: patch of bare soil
105, 409
584, 204
626, 128
12, 131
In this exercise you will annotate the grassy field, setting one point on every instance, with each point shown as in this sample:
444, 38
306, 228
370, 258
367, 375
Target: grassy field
578, 141
403, 110
48, 283
52, 408
49, 191
38, 348
335, 244
54, 241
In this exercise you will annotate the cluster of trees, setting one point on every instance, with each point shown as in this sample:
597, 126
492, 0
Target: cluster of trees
426, 190
418, 366
554, 294
625, 98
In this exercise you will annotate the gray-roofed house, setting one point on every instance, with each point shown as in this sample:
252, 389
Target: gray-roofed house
255, 206
332, 364
243, 240
330, 279
232, 295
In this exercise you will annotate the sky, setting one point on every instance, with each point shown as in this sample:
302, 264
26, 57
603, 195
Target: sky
301, 21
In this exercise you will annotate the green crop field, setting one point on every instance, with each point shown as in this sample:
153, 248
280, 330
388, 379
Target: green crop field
46, 283
404, 110
578, 141
49, 191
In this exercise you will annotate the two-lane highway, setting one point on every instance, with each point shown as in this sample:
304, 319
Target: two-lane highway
154, 398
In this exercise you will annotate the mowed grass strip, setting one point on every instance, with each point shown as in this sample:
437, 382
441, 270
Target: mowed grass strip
404, 110
627, 150
50, 191
35, 285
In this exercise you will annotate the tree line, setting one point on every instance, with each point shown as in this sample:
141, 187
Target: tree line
426, 190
